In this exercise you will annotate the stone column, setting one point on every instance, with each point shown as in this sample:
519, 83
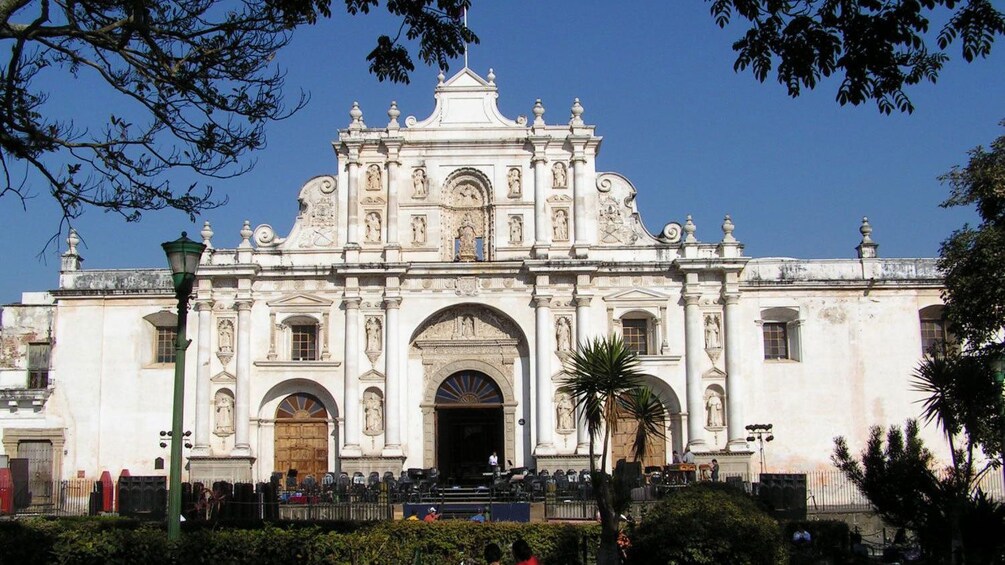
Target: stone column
202, 400
583, 336
693, 343
541, 223
392, 200
392, 381
352, 197
579, 192
242, 394
350, 396
736, 432
543, 351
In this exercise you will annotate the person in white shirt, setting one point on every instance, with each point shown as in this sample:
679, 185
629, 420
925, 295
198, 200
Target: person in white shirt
688, 456
494, 462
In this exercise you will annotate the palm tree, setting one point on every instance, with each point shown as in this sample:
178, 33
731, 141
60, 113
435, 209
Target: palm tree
605, 383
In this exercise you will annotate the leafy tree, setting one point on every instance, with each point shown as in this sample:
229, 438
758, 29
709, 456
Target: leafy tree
899, 478
973, 259
878, 48
605, 383
199, 72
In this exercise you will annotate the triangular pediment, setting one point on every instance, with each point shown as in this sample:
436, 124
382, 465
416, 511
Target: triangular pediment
223, 377
637, 295
466, 78
300, 301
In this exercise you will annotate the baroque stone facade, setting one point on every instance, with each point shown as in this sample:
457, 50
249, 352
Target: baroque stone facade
420, 310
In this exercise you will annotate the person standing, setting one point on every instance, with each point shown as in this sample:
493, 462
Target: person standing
523, 554
715, 470
494, 463
492, 554
688, 456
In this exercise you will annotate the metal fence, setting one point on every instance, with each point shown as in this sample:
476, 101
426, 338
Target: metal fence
60, 498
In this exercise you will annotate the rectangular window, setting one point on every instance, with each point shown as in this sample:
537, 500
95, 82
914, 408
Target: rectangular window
636, 334
38, 364
933, 335
166, 343
776, 340
304, 343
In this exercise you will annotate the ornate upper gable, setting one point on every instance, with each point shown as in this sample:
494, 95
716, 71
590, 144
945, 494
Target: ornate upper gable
466, 100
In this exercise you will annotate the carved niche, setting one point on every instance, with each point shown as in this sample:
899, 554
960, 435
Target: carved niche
466, 218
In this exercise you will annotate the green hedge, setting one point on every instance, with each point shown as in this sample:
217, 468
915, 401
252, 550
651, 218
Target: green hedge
114, 542
707, 523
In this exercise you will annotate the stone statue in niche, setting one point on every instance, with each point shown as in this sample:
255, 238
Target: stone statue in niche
516, 230
712, 331
565, 410
466, 250
467, 326
559, 176
373, 227
225, 337
419, 186
561, 225
373, 335
418, 230
563, 334
513, 180
713, 407
373, 411
224, 405
373, 177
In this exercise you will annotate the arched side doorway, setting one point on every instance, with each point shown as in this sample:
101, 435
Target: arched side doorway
301, 436
469, 426
657, 451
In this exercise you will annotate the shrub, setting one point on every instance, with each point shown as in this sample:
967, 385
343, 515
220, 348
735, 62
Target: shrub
707, 524
101, 541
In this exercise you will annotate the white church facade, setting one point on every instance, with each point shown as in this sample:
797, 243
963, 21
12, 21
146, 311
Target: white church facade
421, 308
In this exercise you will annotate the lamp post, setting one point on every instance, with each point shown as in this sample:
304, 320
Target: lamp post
998, 366
183, 256
761, 433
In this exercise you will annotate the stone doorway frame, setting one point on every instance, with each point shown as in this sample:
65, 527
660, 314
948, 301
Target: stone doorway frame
490, 370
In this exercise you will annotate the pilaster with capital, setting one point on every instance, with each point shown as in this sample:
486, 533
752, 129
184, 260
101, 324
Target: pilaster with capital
694, 349
541, 185
350, 396
392, 379
583, 335
393, 165
204, 308
580, 190
352, 194
242, 392
734, 375
543, 351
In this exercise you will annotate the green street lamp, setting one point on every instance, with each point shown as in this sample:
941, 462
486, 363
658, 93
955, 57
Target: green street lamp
183, 256
998, 366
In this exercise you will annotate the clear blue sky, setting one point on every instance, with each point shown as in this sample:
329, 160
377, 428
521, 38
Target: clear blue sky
656, 79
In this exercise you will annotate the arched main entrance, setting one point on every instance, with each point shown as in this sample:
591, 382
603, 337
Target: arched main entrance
469, 426
301, 440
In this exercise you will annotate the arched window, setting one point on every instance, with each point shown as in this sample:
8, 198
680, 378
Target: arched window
780, 332
934, 333
638, 329
302, 332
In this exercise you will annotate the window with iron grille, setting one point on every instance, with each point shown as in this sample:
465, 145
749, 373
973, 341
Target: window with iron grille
303, 342
166, 343
636, 335
38, 364
776, 340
